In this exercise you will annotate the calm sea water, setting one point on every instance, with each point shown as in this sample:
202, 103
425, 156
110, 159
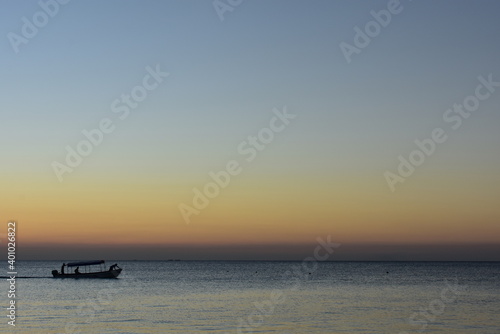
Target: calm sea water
261, 297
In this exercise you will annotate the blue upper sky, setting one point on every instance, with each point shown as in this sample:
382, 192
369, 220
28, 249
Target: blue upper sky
226, 76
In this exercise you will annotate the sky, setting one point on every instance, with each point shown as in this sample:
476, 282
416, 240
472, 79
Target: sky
308, 112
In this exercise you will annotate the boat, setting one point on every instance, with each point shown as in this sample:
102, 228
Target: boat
90, 269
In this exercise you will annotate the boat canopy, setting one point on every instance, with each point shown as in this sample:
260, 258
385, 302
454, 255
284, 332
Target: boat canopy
84, 263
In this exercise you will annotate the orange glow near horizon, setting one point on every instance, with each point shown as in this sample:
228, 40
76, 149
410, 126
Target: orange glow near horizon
247, 212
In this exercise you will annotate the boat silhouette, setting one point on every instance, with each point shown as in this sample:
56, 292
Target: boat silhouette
88, 270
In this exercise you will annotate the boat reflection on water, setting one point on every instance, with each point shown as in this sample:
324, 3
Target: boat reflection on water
89, 269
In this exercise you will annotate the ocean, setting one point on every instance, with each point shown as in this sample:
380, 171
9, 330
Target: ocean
259, 297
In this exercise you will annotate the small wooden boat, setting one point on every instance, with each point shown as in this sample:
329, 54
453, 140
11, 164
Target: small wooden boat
88, 270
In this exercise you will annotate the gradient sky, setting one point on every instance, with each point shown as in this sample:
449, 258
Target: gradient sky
322, 175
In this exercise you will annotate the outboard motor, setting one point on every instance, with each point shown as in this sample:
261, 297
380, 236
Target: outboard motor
54, 273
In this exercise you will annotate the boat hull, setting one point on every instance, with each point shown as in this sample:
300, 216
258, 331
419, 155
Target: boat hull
101, 274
